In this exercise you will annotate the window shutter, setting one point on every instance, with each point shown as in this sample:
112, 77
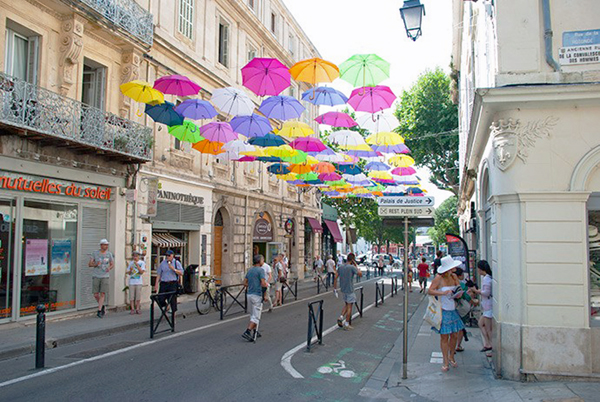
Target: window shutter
100, 88
94, 227
226, 45
32, 59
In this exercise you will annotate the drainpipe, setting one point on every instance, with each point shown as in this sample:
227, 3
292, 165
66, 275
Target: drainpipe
548, 35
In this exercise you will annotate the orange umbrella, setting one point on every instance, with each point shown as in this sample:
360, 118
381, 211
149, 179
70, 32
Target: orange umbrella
300, 168
323, 167
315, 70
209, 147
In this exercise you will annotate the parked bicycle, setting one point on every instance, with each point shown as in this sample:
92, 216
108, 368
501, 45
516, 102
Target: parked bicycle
209, 298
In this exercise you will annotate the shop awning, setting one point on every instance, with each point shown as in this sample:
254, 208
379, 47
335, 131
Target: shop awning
166, 240
315, 225
335, 230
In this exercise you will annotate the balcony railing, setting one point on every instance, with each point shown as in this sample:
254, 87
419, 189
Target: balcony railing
125, 14
36, 110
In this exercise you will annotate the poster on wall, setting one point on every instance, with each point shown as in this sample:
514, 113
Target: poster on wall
61, 257
457, 248
36, 257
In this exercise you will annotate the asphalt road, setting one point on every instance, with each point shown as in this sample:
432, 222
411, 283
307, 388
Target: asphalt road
207, 359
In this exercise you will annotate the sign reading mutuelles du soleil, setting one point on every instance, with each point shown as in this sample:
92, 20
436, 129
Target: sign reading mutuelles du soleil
406, 201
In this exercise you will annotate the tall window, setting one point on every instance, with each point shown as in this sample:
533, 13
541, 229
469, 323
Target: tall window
186, 18
291, 44
274, 23
21, 57
94, 84
252, 52
252, 4
224, 44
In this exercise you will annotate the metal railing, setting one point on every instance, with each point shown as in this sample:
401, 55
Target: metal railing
127, 15
322, 280
358, 303
163, 300
315, 323
30, 107
235, 299
379, 293
293, 291
394, 285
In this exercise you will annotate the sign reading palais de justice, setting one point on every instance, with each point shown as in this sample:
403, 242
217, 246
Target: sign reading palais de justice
406, 211
407, 201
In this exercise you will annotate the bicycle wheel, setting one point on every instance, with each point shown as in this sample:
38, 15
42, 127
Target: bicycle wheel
217, 302
203, 303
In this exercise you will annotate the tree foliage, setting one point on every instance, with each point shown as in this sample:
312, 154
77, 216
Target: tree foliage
446, 221
429, 121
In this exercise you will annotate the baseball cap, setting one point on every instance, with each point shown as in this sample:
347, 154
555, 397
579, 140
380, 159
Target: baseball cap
103, 241
169, 252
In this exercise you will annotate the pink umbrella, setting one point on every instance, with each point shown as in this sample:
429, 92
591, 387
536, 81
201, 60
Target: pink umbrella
247, 159
336, 119
308, 144
176, 85
218, 132
330, 176
371, 99
266, 76
404, 171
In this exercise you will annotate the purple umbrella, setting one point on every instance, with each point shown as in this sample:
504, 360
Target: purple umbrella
376, 166
281, 107
218, 132
177, 85
251, 126
196, 109
331, 193
336, 119
361, 154
371, 99
324, 96
266, 76
308, 144
391, 149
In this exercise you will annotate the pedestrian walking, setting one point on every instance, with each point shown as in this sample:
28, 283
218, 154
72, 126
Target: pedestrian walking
317, 268
344, 276
330, 270
446, 287
423, 274
254, 282
167, 278
437, 262
103, 262
266, 291
485, 321
135, 270
279, 275
340, 259
380, 265
409, 274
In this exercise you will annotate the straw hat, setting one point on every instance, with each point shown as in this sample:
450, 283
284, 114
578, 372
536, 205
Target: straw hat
447, 264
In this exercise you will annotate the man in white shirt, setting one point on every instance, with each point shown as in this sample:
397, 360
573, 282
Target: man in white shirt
317, 267
330, 264
267, 291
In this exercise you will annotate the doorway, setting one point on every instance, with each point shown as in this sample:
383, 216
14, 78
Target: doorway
7, 238
218, 244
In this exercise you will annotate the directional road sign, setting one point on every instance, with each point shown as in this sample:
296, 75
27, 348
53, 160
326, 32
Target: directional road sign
406, 211
406, 201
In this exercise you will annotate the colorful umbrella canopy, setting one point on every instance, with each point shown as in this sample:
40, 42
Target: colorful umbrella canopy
404, 171
376, 166
287, 176
246, 158
218, 132
371, 99
297, 157
280, 151
406, 180
141, 91
349, 169
176, 85
308, 144
300, 168
323, 167
401, 161
325, 96
330, 157
164, 113
331, 193
238, 146
362, 151
385, 138
268, 159
281, 107
265, 76
268, 140
196, 109
209, 147
330, 176
314, 70
414, 191
295, 129
186, 132
278, 168
364, 70
349, 160
251, 126
346, 138
336, 119
381, 177
381, 121
309, 177
232, 101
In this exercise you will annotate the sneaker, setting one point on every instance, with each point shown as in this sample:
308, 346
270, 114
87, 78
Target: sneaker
340, 321
103, 311
247, 336
99, 313
257, 334
348, 327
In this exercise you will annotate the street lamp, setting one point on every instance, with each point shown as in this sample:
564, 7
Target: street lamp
412, 12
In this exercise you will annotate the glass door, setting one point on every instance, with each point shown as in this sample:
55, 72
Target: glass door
7, 240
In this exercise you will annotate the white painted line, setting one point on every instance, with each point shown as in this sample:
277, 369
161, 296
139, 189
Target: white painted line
436, 354
423, 334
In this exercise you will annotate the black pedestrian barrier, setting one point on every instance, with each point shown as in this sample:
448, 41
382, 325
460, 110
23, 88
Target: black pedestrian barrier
294, 291
40, 336
167, 298
235, 299
358, 303
394, 285
379, 293
321, 281
315, 323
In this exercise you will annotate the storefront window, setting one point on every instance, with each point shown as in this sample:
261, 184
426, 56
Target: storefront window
49, 253
7, 228
594, 259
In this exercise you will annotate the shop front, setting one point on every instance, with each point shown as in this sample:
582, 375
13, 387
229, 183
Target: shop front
262, 238
312, 228
48, 229
331, 231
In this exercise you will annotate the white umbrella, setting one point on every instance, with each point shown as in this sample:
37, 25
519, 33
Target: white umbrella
238, 146
332, 158
232, 101
345, 138
377, 122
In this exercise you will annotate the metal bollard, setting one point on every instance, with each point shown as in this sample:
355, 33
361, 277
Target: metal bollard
40, 336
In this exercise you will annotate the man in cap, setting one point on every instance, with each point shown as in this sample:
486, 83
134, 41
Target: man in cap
167, 278
254, 281
102, 262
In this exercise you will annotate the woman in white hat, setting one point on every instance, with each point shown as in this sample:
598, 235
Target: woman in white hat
446, 287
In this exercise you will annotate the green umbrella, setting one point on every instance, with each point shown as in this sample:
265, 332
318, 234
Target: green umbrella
311, 176
377, 187
339, 183
187, 132
364, 70
299, 157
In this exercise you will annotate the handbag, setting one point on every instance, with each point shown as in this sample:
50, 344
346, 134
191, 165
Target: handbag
433, 314
463, 307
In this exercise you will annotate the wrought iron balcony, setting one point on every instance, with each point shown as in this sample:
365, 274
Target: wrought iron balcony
53, 118
125, 14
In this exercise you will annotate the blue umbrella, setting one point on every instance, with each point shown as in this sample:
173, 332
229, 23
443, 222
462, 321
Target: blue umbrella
268, 159
269, 140
326, 151
349, 169
196, 109
324, 96
164, 113
251, 126
376, 166
331, 193
361, 154
278, 168
281, 107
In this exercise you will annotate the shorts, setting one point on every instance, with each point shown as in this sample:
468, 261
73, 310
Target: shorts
278, 286
135, 292
349, 298
422, 279
255, 307
488, 313
99, 285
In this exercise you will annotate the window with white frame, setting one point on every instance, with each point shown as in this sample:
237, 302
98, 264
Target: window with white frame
252, 52
252, 4
186, 18
292, 44
93, 87
292, 91
21, 53
224, 43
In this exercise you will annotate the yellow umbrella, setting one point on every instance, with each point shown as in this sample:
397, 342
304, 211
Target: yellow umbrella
314, 70
257, 152
300, 168
142, 91
360, 190
360, 147
401, 161
385, 138
282, 151
311, 160
294, 129
287, 177
209, 147
380, 174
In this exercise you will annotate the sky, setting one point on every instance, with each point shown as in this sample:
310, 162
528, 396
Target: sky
342, 28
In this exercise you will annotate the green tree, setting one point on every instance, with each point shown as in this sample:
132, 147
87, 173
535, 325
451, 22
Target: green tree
446, 221
429, 122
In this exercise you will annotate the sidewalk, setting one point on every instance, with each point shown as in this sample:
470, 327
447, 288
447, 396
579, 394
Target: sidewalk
473, 380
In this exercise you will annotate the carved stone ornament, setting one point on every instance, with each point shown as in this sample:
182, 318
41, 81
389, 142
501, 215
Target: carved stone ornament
511, 139
71, 44
130, 70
